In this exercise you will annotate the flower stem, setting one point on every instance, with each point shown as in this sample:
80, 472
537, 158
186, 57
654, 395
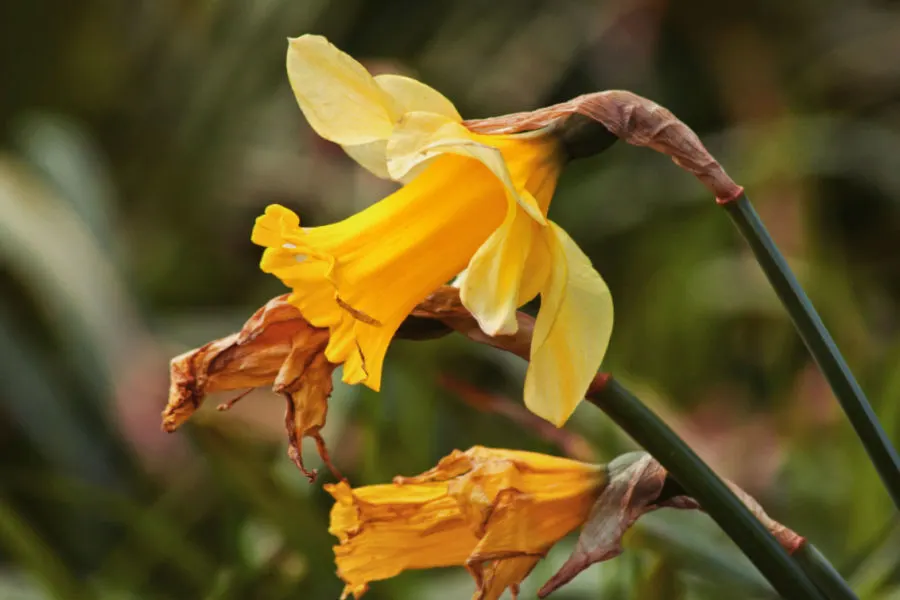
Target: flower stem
823, 574
821, 346
706, 487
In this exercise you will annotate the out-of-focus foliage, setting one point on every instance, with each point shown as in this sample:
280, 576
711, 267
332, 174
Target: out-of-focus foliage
140, 139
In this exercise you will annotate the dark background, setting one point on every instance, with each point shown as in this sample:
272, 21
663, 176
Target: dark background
139, 140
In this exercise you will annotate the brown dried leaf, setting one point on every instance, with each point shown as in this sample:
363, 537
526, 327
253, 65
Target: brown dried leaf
636, 481
275, 347
635, 120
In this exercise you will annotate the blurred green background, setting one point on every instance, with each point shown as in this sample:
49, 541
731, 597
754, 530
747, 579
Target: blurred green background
140, 139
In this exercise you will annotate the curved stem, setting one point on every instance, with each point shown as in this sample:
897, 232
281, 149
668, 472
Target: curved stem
820, 344
706, 487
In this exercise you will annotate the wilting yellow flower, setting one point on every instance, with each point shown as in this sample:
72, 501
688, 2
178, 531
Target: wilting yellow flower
474, 204
496, 512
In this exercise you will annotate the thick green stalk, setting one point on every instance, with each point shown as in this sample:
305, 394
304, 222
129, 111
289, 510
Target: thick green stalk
823, 574
707, 488
820, 344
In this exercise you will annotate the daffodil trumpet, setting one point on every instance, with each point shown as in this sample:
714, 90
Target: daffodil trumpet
473, 207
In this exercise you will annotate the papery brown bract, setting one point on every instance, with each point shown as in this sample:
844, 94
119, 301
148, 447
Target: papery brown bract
632, 118
276, 347
635, 488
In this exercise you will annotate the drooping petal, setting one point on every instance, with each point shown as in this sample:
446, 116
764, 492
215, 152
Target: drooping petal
415, 96
571, 333
340, 99
537, 268
490, 287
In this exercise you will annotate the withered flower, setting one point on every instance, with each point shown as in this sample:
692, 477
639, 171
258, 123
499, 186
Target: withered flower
494, 511
497, 513
276, 347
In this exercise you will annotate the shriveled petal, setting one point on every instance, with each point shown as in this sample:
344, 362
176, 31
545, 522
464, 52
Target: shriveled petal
500, 575
414, 95
338, 96
421, 136
277, 347
490, 287
571, 333
495, 511
386, 529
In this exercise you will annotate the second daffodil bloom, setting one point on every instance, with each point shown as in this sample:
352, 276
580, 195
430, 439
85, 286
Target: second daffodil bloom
496, 512
474, 204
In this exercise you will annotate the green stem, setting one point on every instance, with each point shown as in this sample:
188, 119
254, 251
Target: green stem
706, 487
821, 346
823, 574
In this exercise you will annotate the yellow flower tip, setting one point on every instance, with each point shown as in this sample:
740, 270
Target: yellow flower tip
494, 511
269, 228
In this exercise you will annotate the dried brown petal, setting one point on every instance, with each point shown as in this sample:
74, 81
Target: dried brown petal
633, 119
636, 481
276, 347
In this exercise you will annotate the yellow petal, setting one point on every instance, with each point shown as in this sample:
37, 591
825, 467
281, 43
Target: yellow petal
413, 134
414, 95
571, 334
361, 277
490, 287
338, 96
536, 271
499, 575
371, 157
386, 529
421, 136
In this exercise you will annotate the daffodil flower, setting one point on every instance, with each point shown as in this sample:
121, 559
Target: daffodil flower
494, 511
473, 205
497, 513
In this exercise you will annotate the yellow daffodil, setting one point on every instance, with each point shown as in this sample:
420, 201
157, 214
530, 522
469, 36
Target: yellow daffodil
496, 512
474, 204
